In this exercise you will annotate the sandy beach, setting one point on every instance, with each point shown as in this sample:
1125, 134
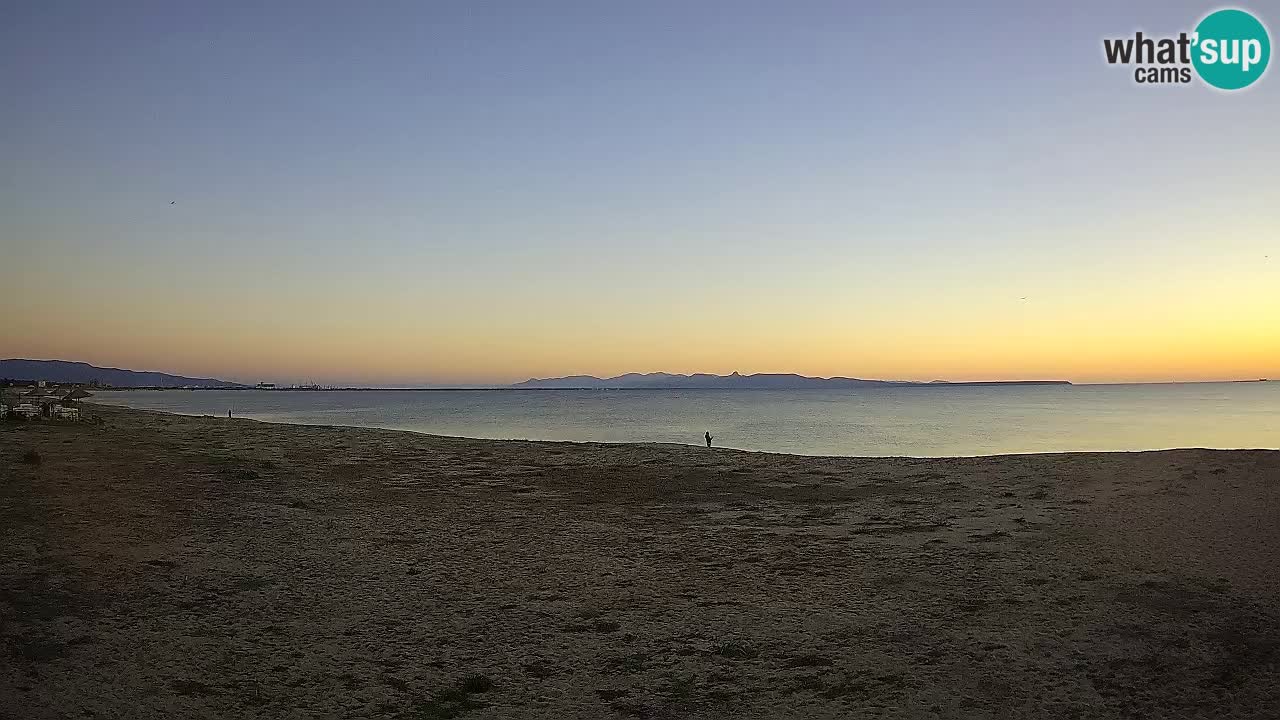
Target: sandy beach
155, 565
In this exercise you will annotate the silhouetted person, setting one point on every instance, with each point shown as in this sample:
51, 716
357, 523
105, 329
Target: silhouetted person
707, 435
228, 412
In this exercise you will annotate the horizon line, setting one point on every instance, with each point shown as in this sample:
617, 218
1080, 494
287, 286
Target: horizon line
513, 384
888, 385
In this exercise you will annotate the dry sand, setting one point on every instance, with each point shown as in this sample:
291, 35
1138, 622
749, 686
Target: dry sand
164, 566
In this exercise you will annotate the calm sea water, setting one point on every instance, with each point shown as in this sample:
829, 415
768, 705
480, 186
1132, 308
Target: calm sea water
890, 421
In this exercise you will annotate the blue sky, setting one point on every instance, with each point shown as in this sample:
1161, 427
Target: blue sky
486, 191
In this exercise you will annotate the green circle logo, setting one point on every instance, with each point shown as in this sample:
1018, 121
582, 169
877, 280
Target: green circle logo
1232, 49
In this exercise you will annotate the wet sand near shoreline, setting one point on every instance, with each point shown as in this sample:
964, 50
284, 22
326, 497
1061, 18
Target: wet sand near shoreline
156, 565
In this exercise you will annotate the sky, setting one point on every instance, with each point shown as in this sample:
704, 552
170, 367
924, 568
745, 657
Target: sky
441, 193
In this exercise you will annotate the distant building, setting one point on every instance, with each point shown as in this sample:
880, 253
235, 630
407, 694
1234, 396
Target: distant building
266, 386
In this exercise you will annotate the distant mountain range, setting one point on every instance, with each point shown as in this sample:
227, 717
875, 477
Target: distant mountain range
62, 371
759, 381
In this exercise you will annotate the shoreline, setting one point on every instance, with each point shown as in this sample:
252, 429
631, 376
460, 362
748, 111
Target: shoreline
164, 565
692, 445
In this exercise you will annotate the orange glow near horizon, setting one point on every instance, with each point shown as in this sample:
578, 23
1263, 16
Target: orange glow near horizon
1225, 331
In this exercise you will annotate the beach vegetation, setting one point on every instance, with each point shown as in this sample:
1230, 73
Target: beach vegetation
736, 650
452, 702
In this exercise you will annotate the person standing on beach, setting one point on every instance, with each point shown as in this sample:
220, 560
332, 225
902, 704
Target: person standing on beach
707, 435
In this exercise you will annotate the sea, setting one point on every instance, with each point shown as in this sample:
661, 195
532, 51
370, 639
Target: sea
920, 421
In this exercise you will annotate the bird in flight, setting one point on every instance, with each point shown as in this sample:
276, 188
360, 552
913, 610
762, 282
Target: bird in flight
173, 202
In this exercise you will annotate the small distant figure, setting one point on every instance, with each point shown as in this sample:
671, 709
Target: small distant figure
173, 202
228, 412
708, 437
